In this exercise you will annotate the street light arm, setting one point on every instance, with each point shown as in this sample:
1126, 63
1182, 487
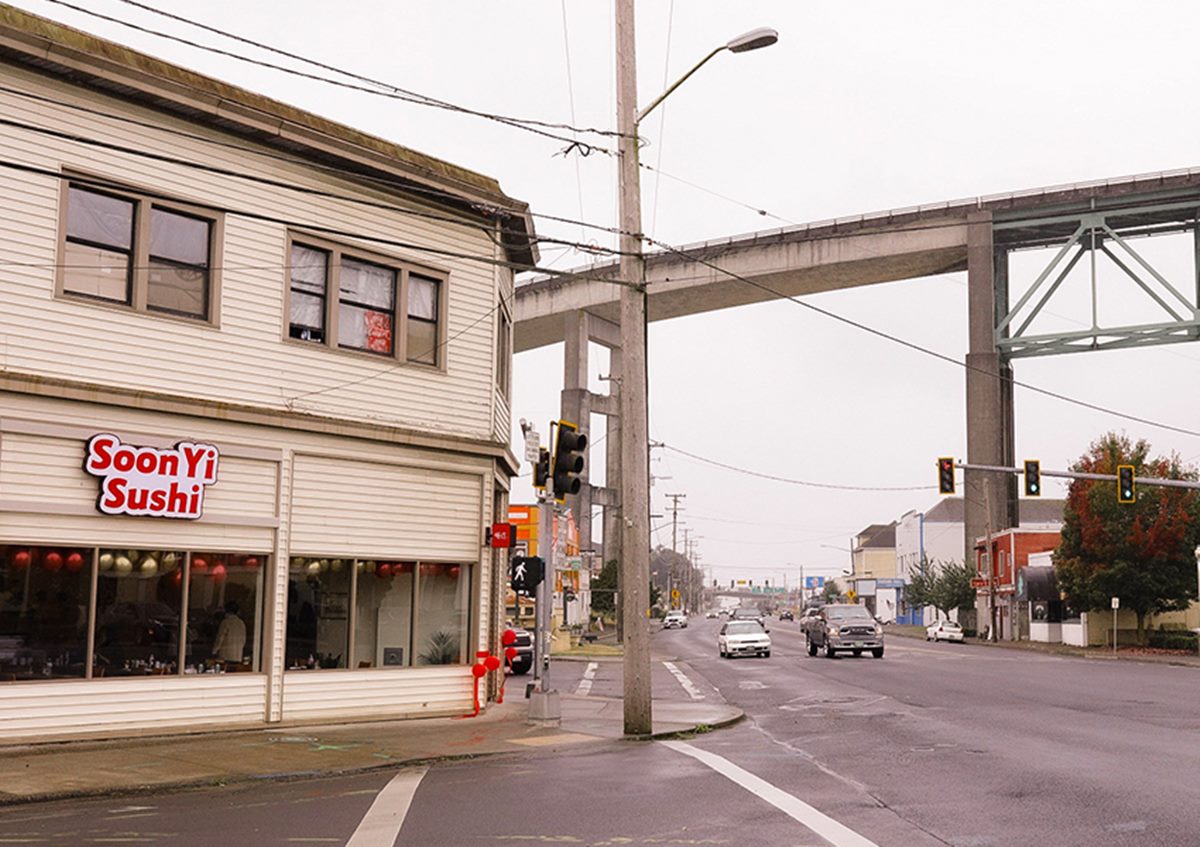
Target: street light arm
646, 111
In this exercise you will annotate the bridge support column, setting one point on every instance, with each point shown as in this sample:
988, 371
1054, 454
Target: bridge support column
988, 503
578, 404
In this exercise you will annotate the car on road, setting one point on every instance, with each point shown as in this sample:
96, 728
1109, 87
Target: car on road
675, 619
711, 613
743, 638
786, 615
749, 613
944, 631
723, 613
843, 628
523, 661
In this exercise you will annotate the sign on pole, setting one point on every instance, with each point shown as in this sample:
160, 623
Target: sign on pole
531, 446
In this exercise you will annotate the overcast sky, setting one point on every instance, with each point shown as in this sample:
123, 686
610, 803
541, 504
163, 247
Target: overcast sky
859, 107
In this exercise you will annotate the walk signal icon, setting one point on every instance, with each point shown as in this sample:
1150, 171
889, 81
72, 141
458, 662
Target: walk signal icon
1033, 478
1126, 489
946, 475
526, 573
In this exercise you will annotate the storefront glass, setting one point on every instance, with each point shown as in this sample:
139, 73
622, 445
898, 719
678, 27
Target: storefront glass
44, 596
224, 626
136, 610
318, 612
443, 615
383, 614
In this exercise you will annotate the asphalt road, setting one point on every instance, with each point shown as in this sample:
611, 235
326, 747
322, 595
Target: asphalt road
935, 744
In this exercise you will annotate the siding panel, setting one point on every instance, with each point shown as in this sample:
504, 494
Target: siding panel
415, 691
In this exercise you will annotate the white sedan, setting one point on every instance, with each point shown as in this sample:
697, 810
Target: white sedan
944, 631
743, 638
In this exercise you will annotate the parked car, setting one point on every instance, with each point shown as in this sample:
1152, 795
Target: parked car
675, 619
711, 613
786, 615
723, 613
523, 661
743, 638
944, 631
843, 628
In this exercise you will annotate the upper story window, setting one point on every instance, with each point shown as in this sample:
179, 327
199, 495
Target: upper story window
149, 255
351, 300
503, 351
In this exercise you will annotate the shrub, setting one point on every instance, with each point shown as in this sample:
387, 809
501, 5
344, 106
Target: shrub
1172, 640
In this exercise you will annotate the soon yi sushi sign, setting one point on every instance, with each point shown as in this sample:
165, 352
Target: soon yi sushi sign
149, 482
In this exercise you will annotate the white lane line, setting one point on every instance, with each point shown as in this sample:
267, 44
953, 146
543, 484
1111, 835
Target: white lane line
382, 822
687, 684
835, 833
589, 676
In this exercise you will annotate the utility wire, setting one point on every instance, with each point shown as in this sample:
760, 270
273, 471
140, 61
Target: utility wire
790, 481
571, 101
381, 89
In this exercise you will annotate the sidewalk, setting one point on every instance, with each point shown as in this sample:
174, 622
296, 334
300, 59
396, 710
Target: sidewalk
58, 770
1124, 654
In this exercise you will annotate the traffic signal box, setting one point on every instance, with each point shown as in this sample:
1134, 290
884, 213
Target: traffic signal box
526, 574
566, 464
1033, 478
541, 470
946, 475
1126, 489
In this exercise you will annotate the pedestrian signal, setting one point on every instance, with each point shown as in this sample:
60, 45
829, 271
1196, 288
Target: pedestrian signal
526, 573
945, 475
1126, 489
1033, 478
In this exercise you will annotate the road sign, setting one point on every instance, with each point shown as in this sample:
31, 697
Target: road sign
852, 595
531, 445
1116, 602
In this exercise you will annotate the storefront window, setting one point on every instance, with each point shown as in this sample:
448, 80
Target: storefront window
224, 630
138, 612
383, 614
443, 614
318, 612
44, 595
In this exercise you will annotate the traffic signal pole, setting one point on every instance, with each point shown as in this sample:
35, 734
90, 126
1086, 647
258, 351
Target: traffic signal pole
1103, 477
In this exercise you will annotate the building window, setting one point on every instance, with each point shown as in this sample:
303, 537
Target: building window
351, 300
149, 255
422, 319
379, 613
503, 351
152, 612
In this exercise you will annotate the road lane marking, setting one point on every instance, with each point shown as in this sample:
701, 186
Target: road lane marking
381, 824
687, 684
589, 676
835, 833
751, 684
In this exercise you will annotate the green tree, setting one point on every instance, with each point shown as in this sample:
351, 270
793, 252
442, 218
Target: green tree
1142, 552
832, 591
952, 587
921, 580
604, 590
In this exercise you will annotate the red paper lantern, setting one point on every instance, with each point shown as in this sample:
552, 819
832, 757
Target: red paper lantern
383, 570
21, 560
52, 561
429, 570
177, 578
199, 565
75, 563
509, 637
404, 567
510, 653
251, 562
218, 573
453, 571
478, 670
491, 663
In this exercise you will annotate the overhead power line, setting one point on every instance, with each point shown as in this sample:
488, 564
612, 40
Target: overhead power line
790, 481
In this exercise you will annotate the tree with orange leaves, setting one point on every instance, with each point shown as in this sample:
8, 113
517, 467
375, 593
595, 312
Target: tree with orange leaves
1142, 552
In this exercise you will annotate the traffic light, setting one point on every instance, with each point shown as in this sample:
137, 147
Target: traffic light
1033, 478
1126, 490
567, 462
541, 470
946, 475
526, 573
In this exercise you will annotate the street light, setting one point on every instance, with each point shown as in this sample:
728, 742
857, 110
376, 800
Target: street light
633, 403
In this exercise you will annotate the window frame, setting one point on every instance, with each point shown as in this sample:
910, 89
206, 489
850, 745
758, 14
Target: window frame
504, 347
335, 250
143, 200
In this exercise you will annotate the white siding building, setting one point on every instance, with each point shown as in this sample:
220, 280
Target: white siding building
320, 316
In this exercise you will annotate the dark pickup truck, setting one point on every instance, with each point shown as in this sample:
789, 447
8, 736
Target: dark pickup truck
843, 628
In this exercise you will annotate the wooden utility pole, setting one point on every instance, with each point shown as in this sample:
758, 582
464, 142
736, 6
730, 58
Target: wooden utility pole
635, 435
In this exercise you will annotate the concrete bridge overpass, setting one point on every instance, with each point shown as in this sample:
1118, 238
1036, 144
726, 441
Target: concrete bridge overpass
976, 235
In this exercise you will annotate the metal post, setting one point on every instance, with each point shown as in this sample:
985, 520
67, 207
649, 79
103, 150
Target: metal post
544, 707
635, 458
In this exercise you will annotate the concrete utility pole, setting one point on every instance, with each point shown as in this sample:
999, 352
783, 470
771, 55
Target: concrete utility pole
635, 434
